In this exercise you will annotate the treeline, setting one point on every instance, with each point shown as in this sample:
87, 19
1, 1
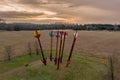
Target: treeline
29, 26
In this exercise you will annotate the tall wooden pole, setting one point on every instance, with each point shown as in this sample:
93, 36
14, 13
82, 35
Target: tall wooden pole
51, 49
58, 64
65, 33
111, 68
43, 60
51, 34
57, 41
37, 35
71, 51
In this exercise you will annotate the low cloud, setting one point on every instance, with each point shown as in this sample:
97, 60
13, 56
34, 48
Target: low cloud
14, 14
81, 11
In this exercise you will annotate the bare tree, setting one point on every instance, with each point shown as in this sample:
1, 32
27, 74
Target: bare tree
8, 52
29, 50
2, 23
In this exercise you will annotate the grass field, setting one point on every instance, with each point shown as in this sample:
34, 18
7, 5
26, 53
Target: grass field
83, 67
17, 62
99, 43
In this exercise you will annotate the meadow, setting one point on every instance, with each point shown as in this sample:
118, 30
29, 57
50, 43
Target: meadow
101, 43
82, 67
89, 61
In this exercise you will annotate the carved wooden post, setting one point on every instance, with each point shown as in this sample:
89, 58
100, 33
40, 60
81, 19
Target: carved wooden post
58, 64
51, 34
57, 41
64, 38
71, 51
37, 35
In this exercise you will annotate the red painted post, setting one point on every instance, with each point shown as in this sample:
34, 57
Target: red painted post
43, 60
51, 50
51, 34
58, 64
37, 35
71, 51
57, 41
65, 34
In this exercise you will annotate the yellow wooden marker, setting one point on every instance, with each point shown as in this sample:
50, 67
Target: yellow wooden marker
37, 34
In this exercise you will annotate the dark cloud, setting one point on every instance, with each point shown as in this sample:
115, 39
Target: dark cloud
103, 4
14, 14
81, 10
30, 2
36, 3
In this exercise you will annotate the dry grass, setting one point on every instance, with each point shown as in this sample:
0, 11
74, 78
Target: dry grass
99, 43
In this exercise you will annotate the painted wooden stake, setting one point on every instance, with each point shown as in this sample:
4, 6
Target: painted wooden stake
65, 34
57, 41
51, 34
51, 49
58, 64
71, 51
37, 35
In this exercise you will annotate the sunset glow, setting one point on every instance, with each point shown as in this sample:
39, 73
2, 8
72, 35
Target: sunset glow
68, 11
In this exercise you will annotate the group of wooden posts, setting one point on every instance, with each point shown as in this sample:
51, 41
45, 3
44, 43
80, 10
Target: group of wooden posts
60, 39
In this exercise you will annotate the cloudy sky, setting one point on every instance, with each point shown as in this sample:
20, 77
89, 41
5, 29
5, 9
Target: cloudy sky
66, 11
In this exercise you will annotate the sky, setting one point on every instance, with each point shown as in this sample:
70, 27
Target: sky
61, 11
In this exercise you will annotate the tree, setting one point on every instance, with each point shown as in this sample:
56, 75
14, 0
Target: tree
29, 49
8, 52
2, 24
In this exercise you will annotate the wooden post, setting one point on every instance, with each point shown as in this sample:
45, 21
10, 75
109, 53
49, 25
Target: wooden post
65, 33
71, 51
51, 49
58, 64
111, 68
37, 35
43, 60
57, 41
51, 34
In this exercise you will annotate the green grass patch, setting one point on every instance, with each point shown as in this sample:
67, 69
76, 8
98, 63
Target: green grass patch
17, 62
81, 68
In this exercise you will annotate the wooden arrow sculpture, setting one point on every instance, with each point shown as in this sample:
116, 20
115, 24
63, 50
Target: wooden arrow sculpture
65, 34
51, 34
58, 64
57, 41
74, 40
37, 35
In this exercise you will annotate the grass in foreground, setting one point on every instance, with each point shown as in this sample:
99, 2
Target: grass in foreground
81, 68
17, 62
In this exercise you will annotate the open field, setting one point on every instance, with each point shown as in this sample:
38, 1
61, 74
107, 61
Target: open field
92, 43
89, 68
99, 43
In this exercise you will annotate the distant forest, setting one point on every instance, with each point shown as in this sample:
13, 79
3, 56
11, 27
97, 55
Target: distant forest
29, 26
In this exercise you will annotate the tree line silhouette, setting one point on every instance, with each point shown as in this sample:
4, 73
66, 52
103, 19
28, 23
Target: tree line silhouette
30, 26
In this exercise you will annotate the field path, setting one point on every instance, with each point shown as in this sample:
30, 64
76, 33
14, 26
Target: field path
21, 69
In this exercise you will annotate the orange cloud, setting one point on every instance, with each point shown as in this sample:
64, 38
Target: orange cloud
68, 11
